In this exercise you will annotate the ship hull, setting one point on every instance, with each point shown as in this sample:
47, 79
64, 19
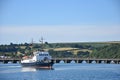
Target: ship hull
38, 65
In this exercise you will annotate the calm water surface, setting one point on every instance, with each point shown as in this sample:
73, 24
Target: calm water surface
61, 72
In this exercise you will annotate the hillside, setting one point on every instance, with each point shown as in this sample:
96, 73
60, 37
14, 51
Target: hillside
111, 51
82, 50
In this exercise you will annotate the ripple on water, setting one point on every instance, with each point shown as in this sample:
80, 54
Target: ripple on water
62, 72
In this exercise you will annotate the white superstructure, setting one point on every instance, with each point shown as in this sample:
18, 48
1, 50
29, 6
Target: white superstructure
39, 56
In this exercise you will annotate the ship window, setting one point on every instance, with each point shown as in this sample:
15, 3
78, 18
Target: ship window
43, 54
46, 55
40, 54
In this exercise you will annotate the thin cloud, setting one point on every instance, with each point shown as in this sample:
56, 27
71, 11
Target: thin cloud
59, 33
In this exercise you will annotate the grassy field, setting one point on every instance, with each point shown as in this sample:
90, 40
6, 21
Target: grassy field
73, 50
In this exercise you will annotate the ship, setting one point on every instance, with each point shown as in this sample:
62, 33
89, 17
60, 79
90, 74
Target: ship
39, 59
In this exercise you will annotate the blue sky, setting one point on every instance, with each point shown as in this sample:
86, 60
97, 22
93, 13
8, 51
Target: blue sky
59, 20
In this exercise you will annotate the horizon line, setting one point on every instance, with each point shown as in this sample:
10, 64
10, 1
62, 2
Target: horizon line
66, 42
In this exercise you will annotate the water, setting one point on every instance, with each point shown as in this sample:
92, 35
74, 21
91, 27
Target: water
61, 72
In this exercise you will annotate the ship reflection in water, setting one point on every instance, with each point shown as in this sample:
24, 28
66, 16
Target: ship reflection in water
33, 69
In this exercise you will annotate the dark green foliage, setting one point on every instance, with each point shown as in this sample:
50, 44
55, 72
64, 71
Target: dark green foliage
110, 51
99, 50
36, 46
82, 54
10, 48
61, 54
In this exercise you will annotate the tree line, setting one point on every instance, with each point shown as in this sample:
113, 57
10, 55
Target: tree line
97, 50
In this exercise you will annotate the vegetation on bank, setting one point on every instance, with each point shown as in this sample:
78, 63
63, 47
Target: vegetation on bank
62, 50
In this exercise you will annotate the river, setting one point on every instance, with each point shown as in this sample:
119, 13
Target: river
61, 71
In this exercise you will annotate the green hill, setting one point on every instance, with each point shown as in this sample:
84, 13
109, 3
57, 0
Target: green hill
80, 49
111, 51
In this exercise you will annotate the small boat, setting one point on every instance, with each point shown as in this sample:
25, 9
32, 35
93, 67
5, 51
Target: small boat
40, 59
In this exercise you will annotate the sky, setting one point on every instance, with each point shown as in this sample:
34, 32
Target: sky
59, 21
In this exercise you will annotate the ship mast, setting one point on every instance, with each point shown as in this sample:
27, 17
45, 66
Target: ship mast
42, 43
32, 45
